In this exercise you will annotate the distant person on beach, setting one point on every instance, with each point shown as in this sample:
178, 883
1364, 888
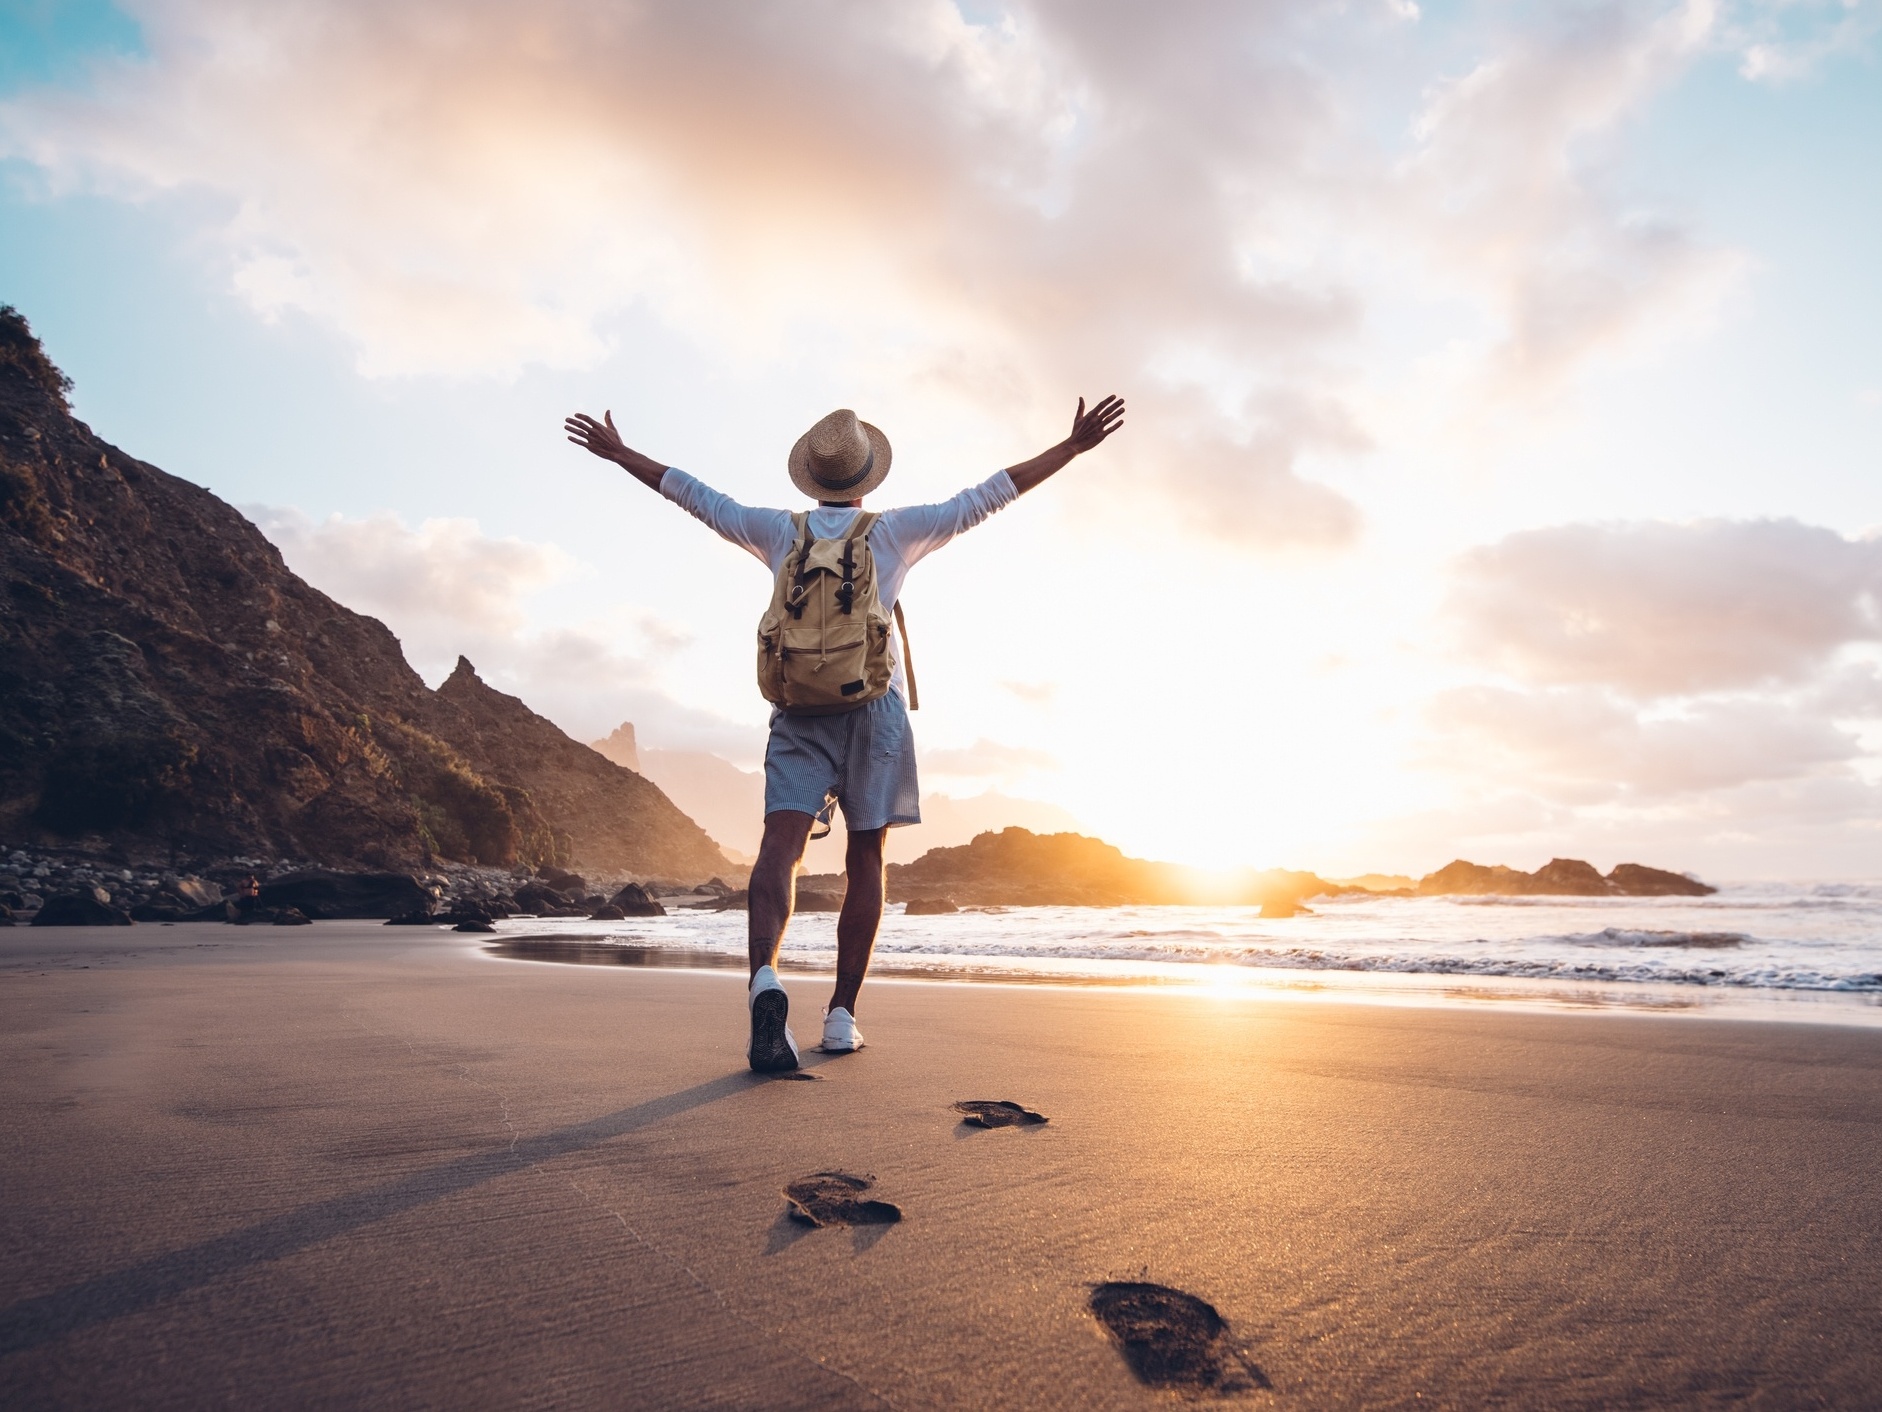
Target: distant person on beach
827, 661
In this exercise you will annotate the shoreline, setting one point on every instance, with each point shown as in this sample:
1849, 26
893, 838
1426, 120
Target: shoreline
581, 944
1420, 990
345, 1163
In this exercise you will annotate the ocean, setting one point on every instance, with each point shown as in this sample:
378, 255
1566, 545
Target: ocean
1809, 951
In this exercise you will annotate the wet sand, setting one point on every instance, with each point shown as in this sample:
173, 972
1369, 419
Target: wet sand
347, 1165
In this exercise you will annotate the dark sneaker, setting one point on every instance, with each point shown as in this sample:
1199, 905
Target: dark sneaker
773, 1047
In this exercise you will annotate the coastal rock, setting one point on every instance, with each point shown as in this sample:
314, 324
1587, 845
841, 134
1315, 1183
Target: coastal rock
193, 892
89, 908
1018, 868
291, 917
541, 899
1569, 877
1284, 907
607, 912
6, 915
1462, 879
417, 917
817, 902
1559, 877
634, 900
474, 924
318, 892
930, 907
1638, 880
172, 687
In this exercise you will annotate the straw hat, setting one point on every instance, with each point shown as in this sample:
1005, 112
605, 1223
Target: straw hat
841, 458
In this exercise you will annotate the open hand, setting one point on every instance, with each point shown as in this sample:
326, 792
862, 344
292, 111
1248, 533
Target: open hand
1090, 428
599, 437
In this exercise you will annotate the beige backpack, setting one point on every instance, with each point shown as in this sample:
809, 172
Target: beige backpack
823, 644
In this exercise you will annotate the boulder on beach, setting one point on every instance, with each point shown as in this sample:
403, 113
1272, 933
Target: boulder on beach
608, 912
325, 893
192, 891
545, 901
635, 901
417, 917
818, 902
292, 917
88, 908
474, 924
929, 907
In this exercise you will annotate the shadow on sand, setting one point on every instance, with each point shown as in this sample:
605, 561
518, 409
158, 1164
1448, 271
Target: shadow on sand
33, 1322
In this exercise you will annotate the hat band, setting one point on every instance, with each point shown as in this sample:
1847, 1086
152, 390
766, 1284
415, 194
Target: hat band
868, 466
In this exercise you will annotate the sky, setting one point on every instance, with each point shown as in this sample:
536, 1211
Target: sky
1501, 475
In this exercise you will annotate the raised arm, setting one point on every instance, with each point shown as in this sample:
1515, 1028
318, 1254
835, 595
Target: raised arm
1088, 429
601, 438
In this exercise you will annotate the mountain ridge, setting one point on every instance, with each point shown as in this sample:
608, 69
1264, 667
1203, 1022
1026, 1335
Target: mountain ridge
167, 683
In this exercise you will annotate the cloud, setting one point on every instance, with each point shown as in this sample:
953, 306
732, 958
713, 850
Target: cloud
445, 575
1580, 746
1659, 609
1180, 201
987, 759
447, 588
1508, 180
1033, 693
1781, 41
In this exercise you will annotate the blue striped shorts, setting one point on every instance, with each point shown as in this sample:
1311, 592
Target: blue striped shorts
863, 760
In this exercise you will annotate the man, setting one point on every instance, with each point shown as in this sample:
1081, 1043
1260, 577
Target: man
862, 759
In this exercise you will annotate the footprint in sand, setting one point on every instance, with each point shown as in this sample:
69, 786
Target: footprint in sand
1173, 1340
836, 1199
997, 1113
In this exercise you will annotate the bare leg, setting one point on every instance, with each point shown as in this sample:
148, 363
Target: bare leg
774, 884
861, 915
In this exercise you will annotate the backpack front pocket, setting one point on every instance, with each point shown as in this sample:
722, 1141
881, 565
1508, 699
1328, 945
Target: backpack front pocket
825, 667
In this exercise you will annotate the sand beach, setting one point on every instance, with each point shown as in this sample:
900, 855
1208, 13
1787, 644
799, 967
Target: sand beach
351, 1165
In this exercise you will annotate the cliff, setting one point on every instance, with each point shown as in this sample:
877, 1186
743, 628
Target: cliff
167, 685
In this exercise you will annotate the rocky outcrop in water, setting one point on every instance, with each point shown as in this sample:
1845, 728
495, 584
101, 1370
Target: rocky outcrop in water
1559, 877
169, 688
1019, 868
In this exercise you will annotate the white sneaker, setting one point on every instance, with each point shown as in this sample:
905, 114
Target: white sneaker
840, 1034
773, 1047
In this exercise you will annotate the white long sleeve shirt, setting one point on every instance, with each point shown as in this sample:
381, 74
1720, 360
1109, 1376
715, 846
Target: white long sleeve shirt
899, 540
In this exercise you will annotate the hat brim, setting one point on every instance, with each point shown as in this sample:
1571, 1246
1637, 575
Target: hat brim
801, 477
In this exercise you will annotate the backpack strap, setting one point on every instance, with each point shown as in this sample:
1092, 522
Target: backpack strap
859, 529
794, 564
908, 658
